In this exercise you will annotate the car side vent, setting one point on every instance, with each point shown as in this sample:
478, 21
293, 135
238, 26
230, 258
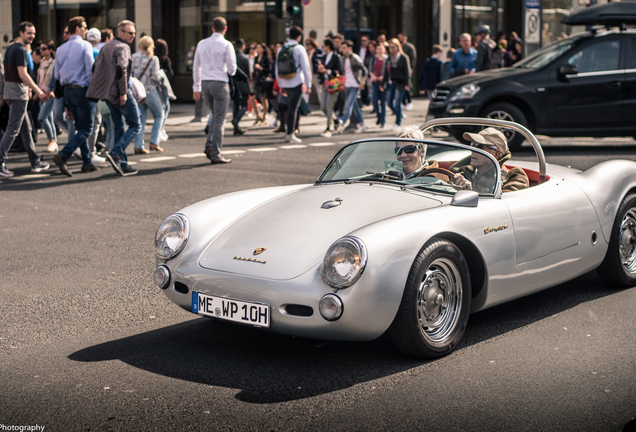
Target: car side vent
181, 288
299, 310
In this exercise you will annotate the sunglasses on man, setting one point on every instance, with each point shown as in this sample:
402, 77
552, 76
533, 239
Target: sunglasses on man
483, 146
409, 149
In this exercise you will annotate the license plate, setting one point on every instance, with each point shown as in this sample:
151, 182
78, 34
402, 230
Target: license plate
231, 310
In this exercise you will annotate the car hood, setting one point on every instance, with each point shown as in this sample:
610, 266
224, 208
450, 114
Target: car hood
486, 76
296, 232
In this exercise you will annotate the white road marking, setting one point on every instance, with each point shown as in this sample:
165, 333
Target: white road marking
233, 151
157, 159
192, 155
294, 146
30, 176
263, 149
323, 144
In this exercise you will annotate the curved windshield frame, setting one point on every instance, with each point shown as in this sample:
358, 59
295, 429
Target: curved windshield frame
548, 54
387, 160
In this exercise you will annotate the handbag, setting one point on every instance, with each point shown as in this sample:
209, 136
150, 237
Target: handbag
138, 90
336, 84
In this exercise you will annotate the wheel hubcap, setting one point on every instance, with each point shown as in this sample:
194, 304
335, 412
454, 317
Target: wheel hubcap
439, 300
503, 115
627, 242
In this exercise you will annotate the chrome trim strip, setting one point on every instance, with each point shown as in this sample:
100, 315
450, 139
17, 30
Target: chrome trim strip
599, 73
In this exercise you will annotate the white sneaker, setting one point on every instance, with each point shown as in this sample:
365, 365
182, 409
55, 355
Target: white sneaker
361, 128
292, 138
409, 106
97, 159
326, 134
396, 127
163, 136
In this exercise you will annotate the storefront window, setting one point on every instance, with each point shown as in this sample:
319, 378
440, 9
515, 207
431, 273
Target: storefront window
553, 12
468, 14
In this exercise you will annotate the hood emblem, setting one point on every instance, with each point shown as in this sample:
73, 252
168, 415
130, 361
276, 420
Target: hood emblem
259, 250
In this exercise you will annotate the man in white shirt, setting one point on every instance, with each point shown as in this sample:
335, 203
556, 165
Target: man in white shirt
293, 85
214, 60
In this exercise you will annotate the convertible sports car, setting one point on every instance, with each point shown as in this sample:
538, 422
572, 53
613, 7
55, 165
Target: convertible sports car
367, 249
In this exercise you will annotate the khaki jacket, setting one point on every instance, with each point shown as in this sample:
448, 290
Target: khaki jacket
513, 180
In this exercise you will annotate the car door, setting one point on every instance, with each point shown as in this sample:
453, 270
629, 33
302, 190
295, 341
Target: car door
629, 100
592, 98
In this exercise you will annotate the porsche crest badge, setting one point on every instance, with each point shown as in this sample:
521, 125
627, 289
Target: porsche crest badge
259, 250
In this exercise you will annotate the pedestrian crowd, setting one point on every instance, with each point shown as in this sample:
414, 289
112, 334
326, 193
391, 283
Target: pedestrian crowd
92, 86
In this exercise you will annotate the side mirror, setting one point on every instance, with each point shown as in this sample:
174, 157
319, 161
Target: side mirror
568, 69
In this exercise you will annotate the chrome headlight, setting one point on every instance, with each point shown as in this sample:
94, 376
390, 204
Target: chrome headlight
172, 236
344, 262
467, 91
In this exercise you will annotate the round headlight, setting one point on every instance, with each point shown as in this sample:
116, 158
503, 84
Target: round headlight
330, 307
161, 277
344, 262
172, 236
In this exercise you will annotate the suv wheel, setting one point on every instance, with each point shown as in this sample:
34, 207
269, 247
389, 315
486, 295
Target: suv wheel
508, 112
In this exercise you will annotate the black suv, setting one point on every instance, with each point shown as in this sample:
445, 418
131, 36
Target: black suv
584, 85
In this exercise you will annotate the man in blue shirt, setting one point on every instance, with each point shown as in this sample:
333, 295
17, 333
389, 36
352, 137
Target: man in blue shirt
464, 59
74, 69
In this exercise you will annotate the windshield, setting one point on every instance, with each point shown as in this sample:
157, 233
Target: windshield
546, 55
442, 167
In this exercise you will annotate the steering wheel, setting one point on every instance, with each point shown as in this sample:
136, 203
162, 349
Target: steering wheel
445, 171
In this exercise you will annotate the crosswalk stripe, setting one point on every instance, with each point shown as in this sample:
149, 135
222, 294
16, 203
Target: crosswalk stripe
192, 155
232, 151
263, 149
157, 159
30, 176
294, 146
322, 144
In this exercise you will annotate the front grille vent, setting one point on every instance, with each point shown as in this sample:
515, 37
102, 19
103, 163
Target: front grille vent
299, 310
181, 288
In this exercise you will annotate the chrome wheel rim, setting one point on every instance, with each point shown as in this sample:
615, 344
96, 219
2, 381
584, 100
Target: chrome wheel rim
503, 115
439, 300
627, 241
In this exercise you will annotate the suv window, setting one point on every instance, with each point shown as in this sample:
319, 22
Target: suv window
601, 56
631, 55
546, 55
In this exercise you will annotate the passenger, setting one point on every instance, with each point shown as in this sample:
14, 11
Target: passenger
476, 169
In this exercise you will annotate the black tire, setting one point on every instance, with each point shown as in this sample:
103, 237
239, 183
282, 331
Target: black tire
509, 112
619, 266
440, 277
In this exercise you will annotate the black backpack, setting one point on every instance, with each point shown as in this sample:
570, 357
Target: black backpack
286, 63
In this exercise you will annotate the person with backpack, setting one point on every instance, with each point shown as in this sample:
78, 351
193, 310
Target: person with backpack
292, 69
485, 47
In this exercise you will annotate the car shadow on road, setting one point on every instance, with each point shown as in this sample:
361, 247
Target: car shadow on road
272, 368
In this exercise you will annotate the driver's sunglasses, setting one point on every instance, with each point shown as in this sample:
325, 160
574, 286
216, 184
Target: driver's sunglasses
483, 146
409, 149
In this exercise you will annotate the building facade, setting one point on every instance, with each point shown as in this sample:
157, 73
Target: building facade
183, 23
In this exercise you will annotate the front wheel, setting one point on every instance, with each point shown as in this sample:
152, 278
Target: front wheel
436, 302
619, 266
508, 112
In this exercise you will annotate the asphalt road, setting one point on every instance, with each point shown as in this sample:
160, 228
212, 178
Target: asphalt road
87, 342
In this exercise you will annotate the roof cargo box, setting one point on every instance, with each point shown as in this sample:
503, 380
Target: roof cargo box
608, 14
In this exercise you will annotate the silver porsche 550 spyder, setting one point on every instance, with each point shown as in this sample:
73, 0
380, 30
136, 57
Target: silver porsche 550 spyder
367, 249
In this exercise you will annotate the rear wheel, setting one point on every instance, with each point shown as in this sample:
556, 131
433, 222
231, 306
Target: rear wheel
508, 112
619, 266
436, 302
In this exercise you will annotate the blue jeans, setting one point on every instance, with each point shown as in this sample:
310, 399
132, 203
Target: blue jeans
83, 111
153, 102
351, 104
59, 117
120, 115
166, 108
46, 119
394, 99
379, 103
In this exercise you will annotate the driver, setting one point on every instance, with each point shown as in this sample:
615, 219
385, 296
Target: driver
477, 170
413, 157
